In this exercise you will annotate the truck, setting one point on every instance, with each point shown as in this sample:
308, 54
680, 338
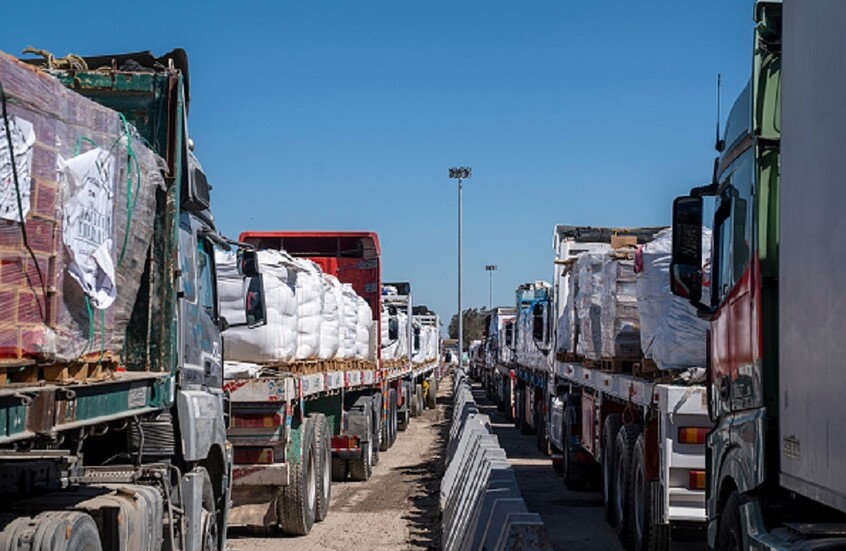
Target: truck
615, 424
298, 426
497, 343
109, 438
774, 389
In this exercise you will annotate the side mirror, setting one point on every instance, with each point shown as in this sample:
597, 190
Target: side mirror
254, 305
248, 265
393, 329
686, 265
416, 339
538, 320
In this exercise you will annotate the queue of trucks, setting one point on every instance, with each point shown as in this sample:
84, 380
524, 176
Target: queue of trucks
731, 435
125, 420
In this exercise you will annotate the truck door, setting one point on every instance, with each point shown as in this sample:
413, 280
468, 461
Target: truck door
200, 349
734, 328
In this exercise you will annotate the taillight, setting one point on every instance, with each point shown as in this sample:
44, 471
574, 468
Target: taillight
253, 456
696, 480
257, 421
692, 435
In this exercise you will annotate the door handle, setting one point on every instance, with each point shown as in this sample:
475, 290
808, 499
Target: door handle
724, 388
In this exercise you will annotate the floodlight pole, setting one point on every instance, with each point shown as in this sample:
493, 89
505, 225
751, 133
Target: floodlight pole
460, 174
490, 268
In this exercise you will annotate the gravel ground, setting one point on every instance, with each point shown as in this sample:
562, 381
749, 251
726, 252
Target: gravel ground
396, 509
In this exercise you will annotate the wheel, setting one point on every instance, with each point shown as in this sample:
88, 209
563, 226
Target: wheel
210, 537
297, 502
404, 414
609, 439
540, 428
323, 450
340, 469
624, 448
730, 530
392, 416
362, 467
648, 534
418, 393
376, 428
432, 393
518, 408
385, 418
575, 474
413, 401
522, 413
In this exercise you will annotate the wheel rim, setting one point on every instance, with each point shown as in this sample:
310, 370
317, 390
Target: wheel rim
311, 485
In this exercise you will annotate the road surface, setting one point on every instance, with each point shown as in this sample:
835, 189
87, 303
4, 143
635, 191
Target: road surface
396, 509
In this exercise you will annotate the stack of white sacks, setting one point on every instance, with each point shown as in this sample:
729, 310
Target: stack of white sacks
310, 315
671, 333
396, 349
530, 352
429, 345
619, 319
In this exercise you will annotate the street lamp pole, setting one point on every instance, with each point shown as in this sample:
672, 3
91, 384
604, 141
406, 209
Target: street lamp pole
460, 173
490, 268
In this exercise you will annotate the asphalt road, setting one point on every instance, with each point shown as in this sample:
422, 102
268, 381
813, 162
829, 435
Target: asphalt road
573, 520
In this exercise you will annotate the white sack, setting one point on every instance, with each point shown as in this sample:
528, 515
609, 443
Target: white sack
364, 323
330, 319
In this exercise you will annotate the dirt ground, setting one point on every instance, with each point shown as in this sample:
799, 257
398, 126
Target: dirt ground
396, 509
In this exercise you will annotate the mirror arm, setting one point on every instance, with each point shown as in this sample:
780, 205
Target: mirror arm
704, 191
703, 311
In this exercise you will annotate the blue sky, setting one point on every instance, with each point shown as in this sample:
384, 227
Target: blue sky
347, 115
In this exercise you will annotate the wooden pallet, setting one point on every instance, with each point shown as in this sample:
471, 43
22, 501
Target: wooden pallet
617, 365
27, 371
645, 368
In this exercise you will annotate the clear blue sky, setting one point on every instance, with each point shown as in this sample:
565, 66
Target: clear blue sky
346, 115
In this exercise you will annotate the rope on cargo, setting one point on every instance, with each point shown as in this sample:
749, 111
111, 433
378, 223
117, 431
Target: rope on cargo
131, 159
14, 163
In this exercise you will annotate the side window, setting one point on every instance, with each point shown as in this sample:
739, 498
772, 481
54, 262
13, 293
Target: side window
733, 230
205, 277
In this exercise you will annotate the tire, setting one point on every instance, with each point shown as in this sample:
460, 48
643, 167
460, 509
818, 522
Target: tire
324, 465
413, 401
385, 433
540, 428
575, 474
340, 469
297, 502
210, 538
523, 422
418, 393
392, 415
626, 438
432, 393
362, 467
730, 530
376, 430
518, 408
648, 534
609, 440
404, 414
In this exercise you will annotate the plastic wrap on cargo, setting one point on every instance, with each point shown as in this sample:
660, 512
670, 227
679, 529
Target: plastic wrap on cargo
330, 320
309, 293
619, 320
671, 333
364, 323
587, 303
87, 190
275, 342
240, 370
388, 346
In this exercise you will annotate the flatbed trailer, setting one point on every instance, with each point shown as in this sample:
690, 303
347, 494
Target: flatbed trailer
293, 434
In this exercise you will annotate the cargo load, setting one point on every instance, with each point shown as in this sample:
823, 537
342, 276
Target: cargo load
311, 316
77, 202
618, 318
671, 333
586, 294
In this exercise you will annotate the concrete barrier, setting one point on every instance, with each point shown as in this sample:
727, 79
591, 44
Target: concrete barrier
481, 504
